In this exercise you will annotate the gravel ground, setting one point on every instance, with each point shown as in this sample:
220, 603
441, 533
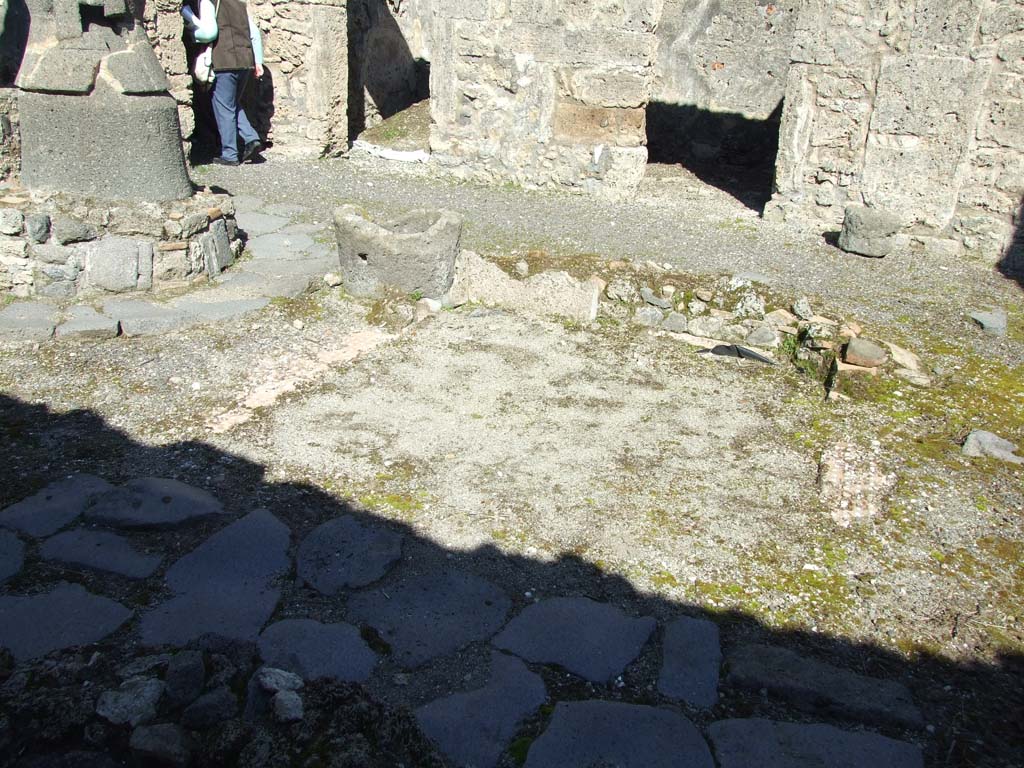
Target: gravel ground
675, 219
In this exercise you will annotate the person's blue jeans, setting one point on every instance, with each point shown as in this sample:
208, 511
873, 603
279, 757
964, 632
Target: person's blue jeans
232, 121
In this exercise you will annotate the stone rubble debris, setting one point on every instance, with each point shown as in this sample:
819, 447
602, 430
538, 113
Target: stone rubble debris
980, 443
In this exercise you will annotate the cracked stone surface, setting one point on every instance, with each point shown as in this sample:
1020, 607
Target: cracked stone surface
12, 555
692, 657
475, 728
761, 743
153, 502
313, 650
429, 614
593, 640
225, 586
583, 734
54, 507
346, 552
818, 687
101, 551
67, 616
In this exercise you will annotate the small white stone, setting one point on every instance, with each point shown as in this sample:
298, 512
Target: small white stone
298, 325
332, 279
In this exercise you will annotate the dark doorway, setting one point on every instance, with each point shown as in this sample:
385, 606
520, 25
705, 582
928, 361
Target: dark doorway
384, 76
723, 149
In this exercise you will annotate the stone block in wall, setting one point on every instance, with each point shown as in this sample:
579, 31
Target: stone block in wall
945, 27
1003, 123
544, 44
920, 132
112, 264
460, 9
1011, 53
1002, 20
606, 87
609, 46
135, 71
216, 248
581, 124
927, 96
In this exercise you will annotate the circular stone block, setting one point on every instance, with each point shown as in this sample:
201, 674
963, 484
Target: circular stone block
345, 552
313, 650
413, 253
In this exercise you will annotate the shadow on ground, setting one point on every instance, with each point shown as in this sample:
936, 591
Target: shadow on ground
974, 710
723, 149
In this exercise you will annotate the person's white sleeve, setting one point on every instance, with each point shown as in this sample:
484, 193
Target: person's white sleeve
257, 42
203, 26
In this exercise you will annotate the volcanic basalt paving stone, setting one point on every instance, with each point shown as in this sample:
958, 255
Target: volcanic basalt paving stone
692, 657
224, 586
99, 551
583, 734
430, 614
761, 743
54, 507
346, 552
12, 555
34, 625
475, 728
593, 640
313, 650
817, 687
152, 502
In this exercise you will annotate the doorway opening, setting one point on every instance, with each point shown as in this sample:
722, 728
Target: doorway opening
725, 150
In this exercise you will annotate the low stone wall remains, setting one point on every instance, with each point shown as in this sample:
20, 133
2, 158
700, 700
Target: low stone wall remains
62, 248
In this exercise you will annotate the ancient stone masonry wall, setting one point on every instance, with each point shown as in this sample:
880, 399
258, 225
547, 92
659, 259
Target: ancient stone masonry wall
911, 106
543, 93
724, 57
61, 247
301, 104
10, 138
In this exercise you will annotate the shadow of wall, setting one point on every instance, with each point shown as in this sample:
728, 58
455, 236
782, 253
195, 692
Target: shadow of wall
14, 28
975, 708
723, 149
1012, 262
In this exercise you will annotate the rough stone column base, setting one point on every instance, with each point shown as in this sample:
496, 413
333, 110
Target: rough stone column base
105, 145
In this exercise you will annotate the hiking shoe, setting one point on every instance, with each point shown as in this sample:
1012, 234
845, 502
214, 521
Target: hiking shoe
251, 149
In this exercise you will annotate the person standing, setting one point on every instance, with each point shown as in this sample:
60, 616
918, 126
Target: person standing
237, 52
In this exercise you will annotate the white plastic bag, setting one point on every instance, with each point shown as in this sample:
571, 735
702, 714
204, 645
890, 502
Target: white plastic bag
203, 70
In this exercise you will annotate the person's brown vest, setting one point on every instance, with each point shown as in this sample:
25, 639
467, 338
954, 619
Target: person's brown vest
233, 48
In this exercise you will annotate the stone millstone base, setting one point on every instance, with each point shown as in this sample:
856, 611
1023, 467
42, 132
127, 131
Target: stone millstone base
105, 145
414, 253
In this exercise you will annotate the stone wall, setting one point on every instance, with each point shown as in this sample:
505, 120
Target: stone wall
62, 247
912, 106
543, 93
10, 140
724, 56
